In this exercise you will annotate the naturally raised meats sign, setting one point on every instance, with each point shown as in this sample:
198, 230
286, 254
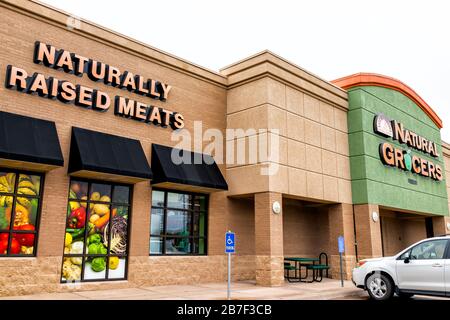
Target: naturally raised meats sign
89, 98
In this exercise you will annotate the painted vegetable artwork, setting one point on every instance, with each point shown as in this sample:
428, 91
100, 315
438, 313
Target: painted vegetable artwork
18, 193
96, 232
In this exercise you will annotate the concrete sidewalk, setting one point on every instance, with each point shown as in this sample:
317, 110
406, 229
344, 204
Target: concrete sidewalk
243, 290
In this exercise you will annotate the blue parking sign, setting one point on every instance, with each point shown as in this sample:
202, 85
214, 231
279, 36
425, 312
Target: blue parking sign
229, 242
341, 244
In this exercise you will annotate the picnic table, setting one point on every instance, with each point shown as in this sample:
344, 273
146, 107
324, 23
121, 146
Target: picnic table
308, 264
299, 263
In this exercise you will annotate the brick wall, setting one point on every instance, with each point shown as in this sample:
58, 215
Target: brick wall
305, 229
399, 233
194, 89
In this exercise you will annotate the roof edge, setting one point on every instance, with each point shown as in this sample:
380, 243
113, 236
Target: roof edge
379, 80
267, 55
268, 64
445, 149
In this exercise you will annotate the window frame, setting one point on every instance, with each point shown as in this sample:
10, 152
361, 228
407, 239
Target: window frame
15, 195
191, 237
446, 254
84, 256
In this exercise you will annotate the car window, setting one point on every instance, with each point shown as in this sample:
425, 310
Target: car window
434, 249
405, 255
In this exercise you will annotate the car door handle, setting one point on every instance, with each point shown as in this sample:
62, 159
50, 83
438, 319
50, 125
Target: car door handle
437, 265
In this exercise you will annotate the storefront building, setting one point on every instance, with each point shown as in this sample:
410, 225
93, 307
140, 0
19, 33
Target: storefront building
90, 197
398, 164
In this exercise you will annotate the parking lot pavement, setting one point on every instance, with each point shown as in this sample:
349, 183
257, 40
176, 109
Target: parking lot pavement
366, 297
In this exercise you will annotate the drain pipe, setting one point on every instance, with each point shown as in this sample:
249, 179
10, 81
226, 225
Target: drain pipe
354, 232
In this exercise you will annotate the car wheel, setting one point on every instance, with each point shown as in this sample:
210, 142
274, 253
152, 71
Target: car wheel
404, 295
379, 287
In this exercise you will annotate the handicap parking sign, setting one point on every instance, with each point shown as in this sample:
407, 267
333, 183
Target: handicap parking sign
229, 242
341, 247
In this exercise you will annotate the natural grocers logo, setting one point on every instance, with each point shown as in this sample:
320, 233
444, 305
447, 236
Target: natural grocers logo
408, 160
385, 127
382, 125
404, 159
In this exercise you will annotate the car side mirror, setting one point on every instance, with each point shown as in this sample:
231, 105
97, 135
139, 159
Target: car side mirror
407, 259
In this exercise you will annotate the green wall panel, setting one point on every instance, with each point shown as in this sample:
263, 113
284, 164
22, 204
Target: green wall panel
397, 100
359, 191
418, 126
358, 167
354, 120
356, 143
405, 199
374, 182
400, 178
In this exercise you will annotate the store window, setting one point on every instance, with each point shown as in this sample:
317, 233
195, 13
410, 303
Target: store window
20, 203
96, 240
178, 223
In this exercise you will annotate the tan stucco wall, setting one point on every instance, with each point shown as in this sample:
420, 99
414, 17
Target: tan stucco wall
312, 135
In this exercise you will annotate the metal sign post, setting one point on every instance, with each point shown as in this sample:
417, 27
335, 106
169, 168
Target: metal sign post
341, 251
229, 249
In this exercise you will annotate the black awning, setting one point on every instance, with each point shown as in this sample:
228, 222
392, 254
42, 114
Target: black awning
202, 176
104, 156
29, 142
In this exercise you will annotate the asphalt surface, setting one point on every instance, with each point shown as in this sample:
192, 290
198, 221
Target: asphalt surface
416, 297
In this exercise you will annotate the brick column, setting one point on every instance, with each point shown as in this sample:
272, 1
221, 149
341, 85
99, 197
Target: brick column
368, 232
340, 217
440, 225
268, 240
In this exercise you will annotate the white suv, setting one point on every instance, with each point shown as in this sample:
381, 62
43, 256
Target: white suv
423, 268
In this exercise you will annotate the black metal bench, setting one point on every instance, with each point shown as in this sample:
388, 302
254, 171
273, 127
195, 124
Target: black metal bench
318, 269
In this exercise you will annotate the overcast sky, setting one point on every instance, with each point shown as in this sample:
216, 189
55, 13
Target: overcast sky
407, 40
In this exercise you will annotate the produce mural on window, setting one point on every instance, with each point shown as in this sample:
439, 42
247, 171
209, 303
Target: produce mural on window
177, 223
19, 207
96, 240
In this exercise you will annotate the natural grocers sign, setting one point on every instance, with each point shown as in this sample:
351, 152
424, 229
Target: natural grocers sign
405, 159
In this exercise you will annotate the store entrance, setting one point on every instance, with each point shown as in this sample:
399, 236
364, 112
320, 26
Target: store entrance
399, 230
